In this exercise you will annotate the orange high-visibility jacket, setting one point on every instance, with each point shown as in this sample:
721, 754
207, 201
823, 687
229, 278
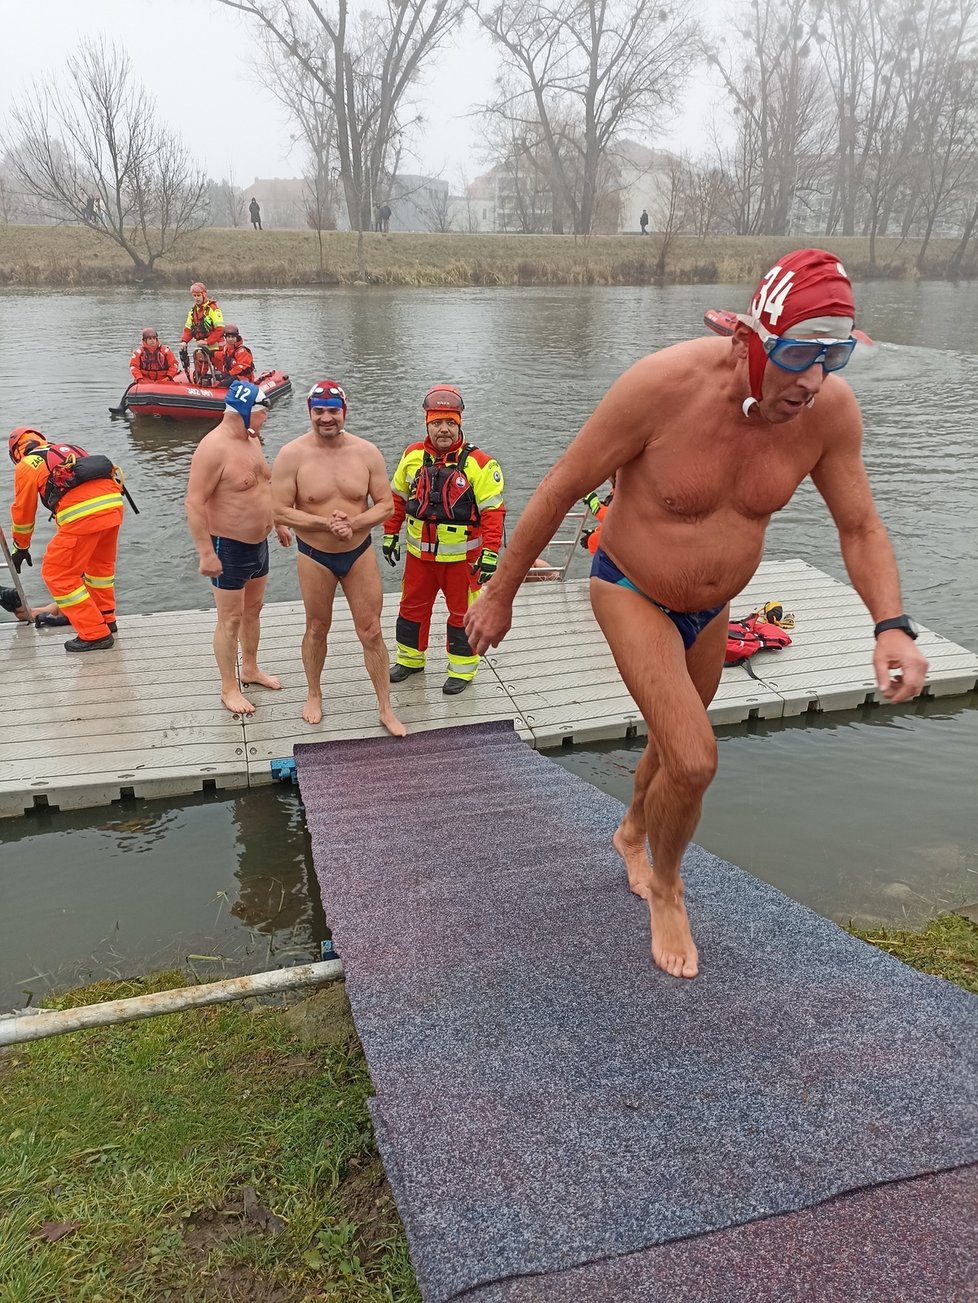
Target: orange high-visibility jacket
236, 361
153, 363
30, 478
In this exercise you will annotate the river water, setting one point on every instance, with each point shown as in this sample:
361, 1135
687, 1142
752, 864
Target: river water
865, 815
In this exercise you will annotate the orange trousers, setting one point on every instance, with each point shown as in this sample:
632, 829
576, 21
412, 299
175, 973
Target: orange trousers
79, 570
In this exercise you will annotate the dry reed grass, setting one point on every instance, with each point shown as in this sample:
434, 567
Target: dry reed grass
70, 257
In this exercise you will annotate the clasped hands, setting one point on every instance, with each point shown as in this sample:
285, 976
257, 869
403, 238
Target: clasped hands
339, 524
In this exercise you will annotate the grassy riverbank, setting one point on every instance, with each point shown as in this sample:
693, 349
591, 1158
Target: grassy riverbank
226, 1154
69, 256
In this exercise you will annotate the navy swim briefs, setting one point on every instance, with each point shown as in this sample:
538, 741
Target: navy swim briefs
338, 563
689, 623
241, 561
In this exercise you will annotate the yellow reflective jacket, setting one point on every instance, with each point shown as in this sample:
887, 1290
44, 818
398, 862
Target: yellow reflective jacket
450, 533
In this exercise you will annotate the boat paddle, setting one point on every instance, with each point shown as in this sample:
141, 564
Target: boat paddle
121, 409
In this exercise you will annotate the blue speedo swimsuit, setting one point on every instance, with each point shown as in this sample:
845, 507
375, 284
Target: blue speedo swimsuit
689, 623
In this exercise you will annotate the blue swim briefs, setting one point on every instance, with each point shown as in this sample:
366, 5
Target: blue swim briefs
689, 623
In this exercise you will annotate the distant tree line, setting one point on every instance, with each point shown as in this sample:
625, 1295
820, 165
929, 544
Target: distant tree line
848, 117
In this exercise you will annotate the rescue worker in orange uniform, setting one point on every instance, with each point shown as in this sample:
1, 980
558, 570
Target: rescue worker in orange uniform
205, 320
152, 360
235, 360
451, 494
79, 563
598, 507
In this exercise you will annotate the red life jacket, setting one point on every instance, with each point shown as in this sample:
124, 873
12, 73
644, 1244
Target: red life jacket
154, 361
748, 636
441, 494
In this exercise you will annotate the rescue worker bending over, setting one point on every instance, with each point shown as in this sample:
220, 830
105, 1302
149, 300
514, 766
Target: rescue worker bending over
86, 500
152, 360
235, 360
452, 495
205, 320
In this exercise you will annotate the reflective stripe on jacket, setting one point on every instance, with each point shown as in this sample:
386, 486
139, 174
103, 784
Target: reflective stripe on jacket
30, 479
450, 542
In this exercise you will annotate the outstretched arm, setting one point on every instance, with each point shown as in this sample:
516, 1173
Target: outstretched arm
840, 477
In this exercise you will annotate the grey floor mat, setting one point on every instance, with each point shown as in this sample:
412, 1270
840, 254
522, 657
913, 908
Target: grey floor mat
544, 1096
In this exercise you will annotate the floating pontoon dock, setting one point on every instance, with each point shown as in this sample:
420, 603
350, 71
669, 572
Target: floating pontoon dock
145, 719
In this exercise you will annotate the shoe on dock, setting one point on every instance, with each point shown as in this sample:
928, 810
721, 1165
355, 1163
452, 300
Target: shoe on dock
401, 672
453, 686
93, 644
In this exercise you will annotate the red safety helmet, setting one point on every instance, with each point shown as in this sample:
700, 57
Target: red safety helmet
198, 287
23, 441
150, 332
231, 329
443, 398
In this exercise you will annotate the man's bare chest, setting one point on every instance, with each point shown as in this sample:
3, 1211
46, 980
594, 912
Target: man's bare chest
752, 480
345, 479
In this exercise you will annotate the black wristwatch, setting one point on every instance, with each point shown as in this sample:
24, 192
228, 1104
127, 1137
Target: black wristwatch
901, 622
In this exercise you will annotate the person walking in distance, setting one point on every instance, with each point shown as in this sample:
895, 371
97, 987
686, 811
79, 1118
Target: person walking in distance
229, 511
331, 487
709, 438
254, 211
451, 494
643, 222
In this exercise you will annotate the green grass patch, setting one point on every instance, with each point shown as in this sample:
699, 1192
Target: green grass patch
227, 1153
70, 256
947, 947
218, 1154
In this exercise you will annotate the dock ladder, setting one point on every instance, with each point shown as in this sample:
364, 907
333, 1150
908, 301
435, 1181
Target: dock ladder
7, 563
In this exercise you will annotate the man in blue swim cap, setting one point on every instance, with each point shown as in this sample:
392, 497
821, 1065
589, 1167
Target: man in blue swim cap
243, 397
229, 510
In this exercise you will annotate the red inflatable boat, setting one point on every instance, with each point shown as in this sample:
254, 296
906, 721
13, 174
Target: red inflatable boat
179, 400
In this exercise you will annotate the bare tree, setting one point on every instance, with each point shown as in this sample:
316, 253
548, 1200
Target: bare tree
97, 151
365, 69
780, 101
597, 67
233, 201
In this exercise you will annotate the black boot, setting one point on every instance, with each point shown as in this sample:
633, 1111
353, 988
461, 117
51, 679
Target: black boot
401, 672
96, 644
452, 686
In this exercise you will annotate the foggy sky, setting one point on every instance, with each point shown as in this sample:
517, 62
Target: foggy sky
199, 64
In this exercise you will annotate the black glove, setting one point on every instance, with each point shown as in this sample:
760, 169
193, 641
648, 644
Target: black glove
223, 378
392, 549
593, 503
19, 555
185, 359
585, 538
486, 565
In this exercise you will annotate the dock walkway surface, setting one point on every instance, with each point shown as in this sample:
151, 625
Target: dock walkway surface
145, 719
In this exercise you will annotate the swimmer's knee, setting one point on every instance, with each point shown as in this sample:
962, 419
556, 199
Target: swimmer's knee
370, 632
316, 628
695, 768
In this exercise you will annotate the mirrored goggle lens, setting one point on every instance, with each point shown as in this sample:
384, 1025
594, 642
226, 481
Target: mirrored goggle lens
800, 354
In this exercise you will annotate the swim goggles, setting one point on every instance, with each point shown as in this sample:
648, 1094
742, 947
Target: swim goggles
799, 354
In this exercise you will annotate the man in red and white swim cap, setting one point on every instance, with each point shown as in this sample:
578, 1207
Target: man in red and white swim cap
331, 487
709, 438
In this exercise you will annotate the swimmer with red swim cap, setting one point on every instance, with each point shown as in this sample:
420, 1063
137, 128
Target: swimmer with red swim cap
709, 438
331, 487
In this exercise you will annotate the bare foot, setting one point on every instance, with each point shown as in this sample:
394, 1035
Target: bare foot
636, 863
236, 702
672, 942
259, 679
392, 723
312, 711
